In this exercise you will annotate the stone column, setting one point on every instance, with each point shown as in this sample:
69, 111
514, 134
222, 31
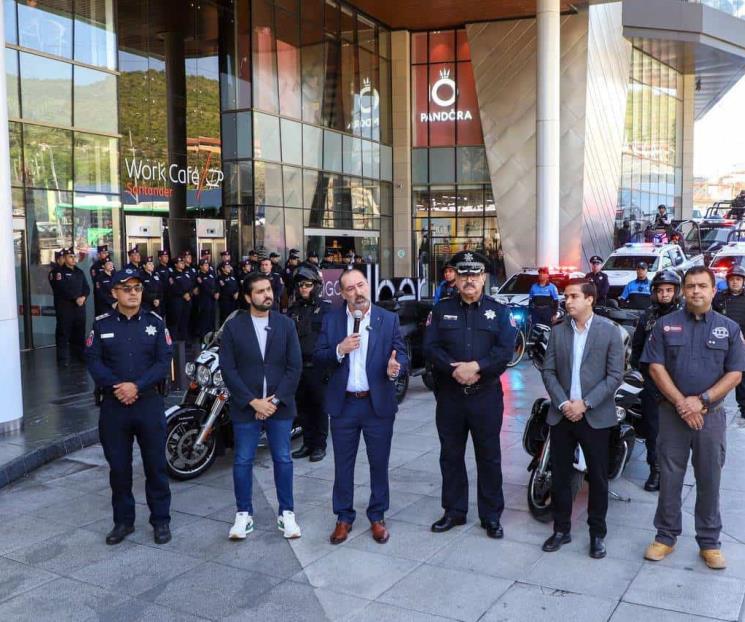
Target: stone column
689, 111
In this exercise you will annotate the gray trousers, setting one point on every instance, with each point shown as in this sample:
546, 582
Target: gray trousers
675, 443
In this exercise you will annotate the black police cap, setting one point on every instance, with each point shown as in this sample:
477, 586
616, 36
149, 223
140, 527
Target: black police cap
205, 252
273, 255
642, 265
223, 253
596, 259
162, 253
133, 250
736, 271
312, 254
469, 262
67, 251
102, 248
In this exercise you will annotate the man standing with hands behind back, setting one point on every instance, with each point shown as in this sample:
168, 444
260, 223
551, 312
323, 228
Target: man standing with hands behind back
362, 348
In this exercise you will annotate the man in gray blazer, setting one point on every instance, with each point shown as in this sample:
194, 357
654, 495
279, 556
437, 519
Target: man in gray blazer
582, 369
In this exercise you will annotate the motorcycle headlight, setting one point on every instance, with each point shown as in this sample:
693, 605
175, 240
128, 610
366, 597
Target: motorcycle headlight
217, 379
204, 378
620, 413
190, 369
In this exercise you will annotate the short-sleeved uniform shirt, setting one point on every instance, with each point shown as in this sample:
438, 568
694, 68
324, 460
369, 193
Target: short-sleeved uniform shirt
695, 352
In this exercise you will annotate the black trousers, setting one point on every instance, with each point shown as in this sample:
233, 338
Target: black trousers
565, 436
313, 417
740, 397
651, 423
118, 426
481, 415
70, 331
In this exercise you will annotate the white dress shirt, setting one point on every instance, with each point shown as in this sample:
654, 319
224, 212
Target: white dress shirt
579, 342
357, 380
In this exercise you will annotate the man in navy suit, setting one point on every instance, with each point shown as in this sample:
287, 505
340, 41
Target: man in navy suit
261, 363
364, 355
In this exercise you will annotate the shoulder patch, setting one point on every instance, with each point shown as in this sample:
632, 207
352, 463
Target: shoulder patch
102, 316
156, 315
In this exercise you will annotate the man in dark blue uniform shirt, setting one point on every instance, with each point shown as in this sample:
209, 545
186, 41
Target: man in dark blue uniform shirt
129, 356
469, 340
103, 283
163, 270
731, 302
73, 290
227, 286
637, 293
543, 299
206, 299
447, 287
103, 255
599, 278
152, 294
135, 260
179, 300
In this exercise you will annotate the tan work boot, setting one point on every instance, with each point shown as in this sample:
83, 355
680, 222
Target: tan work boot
657, 551
714, 558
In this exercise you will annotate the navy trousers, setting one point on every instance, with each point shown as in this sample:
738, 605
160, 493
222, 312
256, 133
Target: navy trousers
118, 426
358, 417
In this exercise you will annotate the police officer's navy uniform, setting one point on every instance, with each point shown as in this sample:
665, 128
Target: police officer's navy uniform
97, 266
696, 352
600, 279
152, 292
205, 303
71, 285
163, 270
732, 305
138, 350
179, 309
482, 331
102, 296
637, 286
544, 302
53, 284
227, 286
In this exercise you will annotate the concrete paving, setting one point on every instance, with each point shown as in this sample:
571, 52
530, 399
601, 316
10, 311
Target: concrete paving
54, 564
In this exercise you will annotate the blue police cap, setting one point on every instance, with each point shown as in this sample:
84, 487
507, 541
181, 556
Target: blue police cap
125, 275
469, 262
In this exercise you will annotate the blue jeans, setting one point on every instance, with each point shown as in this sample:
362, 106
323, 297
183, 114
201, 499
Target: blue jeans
246, 440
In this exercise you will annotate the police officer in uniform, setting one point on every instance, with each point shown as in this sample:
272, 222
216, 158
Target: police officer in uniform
665, 299
447, 287
103, 254
640, 285
135, 260
469, 340
543, 299
206, 299
696, 356
253, 260
102, 297
293, 261
307, 312
179, 300
224, 259
312, 257
54, 268
227, 290
129, 356
73, 290
328, 260
163, 270
153, 287
599, 278
731, 302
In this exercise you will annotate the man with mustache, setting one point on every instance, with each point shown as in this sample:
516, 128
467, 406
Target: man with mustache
361, 346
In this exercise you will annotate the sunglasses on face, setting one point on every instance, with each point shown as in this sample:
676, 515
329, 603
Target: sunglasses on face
306, 284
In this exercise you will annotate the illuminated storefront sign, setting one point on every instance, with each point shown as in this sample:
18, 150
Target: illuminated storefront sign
151, 177
443, 94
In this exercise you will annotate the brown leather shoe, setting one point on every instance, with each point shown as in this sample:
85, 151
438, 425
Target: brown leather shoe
340, 532
379, 532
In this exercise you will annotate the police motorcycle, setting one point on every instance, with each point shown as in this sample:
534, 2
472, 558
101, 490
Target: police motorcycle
537, 443
198, 429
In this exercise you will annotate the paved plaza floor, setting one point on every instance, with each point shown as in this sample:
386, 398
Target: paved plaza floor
54, 564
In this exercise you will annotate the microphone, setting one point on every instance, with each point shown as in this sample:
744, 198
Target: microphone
357, 315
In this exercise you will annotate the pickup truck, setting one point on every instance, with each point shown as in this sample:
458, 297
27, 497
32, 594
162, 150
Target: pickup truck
621, 265
516, 289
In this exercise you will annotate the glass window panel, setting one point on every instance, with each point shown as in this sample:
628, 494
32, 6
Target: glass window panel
367, 102
349, 89
332, 152
443, 99
420, 105
266, 137
238, 187
442, 201
265, 94
235, 57
47, 155
385, 242
352, 162
95, 42
441, 46
313, 70
375, 161
18, 202
332, 112
9, 10
292, 142
384, 103
312, 146
470, 206
366, 34
270, 229
442, 165
15, 133
442, 228
331, 17
236, 135
294, 229
310, 187
367, 160
419, 166
288, 63
96, 163
96, 222
267, 183
419, 47
46, 90
386, 163
11, 79
464, 49
46, 25
347, 24
293, 186
95, 100
471, 164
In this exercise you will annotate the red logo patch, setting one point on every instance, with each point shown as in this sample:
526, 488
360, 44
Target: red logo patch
89, 341
168, 337
429, 318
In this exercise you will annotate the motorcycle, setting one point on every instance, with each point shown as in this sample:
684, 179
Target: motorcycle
198, 429
537, 442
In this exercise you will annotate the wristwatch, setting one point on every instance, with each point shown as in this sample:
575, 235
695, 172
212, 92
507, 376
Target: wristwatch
705, 400
587, 404
275, 401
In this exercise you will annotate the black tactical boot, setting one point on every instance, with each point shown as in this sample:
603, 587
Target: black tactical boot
653, 481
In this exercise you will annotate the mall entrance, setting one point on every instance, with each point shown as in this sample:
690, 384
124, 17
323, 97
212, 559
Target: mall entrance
341, 241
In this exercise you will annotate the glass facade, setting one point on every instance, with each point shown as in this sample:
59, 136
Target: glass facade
452, 203
651, 171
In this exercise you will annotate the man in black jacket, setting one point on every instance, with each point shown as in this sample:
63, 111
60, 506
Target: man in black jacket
731, 302
73, 291
665, 299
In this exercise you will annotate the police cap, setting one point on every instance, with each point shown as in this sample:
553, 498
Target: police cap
294, 251
205, 252
102, 248
186, 253
224, 253
469, 262
133, 250
148, 260
596, 259
57, 254
642, 265
67, 251
736, 271
252, 252
312, 254
273, 255
125, 275
204, 262
178, 259
162, 253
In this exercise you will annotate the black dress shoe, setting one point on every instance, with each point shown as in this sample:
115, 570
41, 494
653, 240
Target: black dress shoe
118, 533
493, 528
597, 547
303, 452
446, 523
653, 481
317, 455
161, 534
555, 541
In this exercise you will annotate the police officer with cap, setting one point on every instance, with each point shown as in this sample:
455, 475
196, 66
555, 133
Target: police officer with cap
665, 299
543, 299
135, 260
274, 258
225, 259
447, 287
129, 356
163, 270
103, 254
696, 356
54, 268
599, 278
312, 257
104, 282
328, 259
307, 311
293, 261
153, 287
469, 339
179, 300
640, 285
227, 291
206, 299
731, 302
253, 260
73, 290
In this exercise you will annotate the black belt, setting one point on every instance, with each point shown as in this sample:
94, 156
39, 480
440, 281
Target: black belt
472, 389
358, 394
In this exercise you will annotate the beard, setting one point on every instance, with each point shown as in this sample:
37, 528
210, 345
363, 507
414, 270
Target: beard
264, 305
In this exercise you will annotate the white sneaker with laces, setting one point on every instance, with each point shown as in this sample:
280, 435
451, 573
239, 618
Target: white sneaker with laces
243, 525
287, 524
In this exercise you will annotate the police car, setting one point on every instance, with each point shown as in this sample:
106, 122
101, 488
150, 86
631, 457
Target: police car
621, 265
516, 289
733, 254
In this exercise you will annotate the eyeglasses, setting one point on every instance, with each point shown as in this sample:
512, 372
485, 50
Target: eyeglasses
469, 277
306, 284
128, 289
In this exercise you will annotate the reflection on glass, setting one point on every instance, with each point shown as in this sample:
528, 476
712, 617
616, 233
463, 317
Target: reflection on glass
352, 158
313, 73
264, 59
236, 135
270, 231
312, 146
310, 188
268, 183
47, 154
442, 165
266, 137
46, 25
95, 100
97, 222
332, 151
96, 163
11, 33
95, 41
386, 163
46, 90
238, 184
292, 141
11, 78
288, 63
235, 69
294, 229
16, 153
293, 186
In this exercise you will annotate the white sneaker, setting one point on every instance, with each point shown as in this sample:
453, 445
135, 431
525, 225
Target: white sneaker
287, 524
243, 525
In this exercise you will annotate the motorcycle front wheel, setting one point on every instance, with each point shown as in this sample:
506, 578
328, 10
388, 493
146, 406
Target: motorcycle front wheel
519, 351
539, 493
184, 462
